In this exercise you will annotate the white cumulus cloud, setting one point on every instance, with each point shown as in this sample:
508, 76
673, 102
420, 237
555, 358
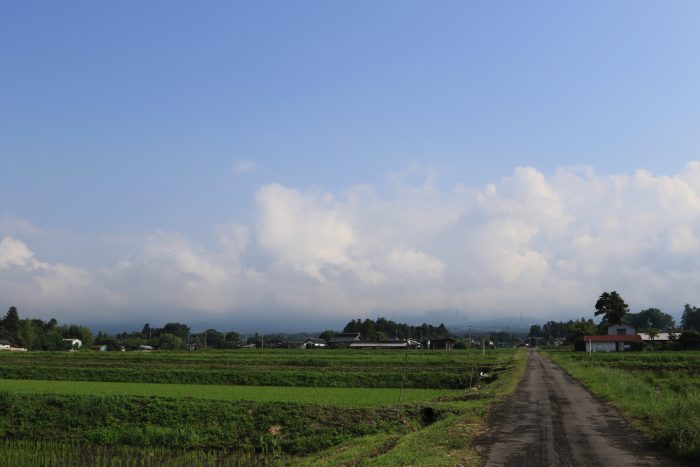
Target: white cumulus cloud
242, 167
543, 244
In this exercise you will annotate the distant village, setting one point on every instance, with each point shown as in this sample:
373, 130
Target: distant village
618, 330
33, 334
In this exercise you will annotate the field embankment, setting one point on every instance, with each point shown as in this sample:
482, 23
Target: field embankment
659, 392
300, 421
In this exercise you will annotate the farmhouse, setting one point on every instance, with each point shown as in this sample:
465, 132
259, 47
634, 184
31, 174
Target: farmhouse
610, 343
315, 343
446, 343
621, 330
74, 342
344, 339
395, 344
660, 337
5, 345
620, 337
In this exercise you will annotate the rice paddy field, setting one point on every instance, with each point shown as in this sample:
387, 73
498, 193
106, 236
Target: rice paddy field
324, 368
342, 397
659, 392
252, 407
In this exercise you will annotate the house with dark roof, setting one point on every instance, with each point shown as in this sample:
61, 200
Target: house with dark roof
5, 344
344, 339
316, 343
446, 343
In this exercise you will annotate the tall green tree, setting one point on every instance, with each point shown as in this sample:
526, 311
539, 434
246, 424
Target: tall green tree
11, 321
691, 318
327, 334
536, 331
169, 341
651, 318
612, 307
147, 332
232, 340
212, 338
578, 329
180, 330
26, 334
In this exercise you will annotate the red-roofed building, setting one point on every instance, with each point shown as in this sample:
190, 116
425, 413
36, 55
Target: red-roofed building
620, 337
611, 343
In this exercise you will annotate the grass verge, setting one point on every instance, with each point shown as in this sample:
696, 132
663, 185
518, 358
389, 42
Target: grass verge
664, 404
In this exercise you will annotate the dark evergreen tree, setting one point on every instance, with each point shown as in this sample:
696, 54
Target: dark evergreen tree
11, 322
612, 307
690, 321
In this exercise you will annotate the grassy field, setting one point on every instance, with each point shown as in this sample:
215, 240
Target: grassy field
302, 421
658, 391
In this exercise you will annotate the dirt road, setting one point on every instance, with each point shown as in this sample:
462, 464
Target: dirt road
551, 420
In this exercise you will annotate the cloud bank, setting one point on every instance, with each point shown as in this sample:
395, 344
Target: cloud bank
544, 245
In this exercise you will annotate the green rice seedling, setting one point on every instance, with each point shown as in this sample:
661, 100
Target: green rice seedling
348, 397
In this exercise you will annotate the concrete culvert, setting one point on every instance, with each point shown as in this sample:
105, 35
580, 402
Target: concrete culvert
428, 415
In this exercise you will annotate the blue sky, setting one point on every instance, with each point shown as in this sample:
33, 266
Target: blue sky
146, 128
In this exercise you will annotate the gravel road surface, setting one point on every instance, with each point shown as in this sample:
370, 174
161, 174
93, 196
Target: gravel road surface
551, 420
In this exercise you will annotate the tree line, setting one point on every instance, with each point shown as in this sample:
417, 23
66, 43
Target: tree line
613, 309
384, 330
172, 336
35, 334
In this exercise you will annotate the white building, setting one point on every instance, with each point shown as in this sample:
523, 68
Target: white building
620, 337
74, 342
660, 337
